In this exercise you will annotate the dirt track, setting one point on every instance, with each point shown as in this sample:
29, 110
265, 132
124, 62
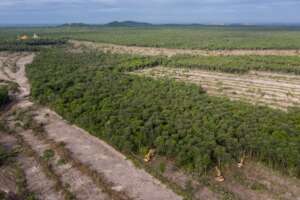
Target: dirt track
119, 172
275, 90
151, 51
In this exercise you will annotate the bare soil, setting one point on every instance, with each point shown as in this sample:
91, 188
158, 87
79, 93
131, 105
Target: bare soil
103, 158
275, 90
79, 184
37, 181
92, 152
151, 51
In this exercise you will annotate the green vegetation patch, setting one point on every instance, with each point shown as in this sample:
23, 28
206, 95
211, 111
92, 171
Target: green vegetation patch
238, 64
29, 45
186, 37
211, 38
179, 120
4, 97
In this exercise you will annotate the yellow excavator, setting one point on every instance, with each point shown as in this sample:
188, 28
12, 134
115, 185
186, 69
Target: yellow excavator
23, 37
149, 156
219, 177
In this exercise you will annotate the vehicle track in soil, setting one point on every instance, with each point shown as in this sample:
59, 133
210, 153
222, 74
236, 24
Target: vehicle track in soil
37, 181
119, 172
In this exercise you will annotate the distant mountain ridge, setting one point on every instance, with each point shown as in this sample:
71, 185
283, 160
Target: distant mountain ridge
145, 24
128, 23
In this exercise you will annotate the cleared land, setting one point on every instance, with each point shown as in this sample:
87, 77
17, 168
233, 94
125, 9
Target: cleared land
150, 51
274, 90
98, 157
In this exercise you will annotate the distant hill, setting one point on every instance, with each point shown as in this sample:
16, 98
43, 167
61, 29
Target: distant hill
128, 24
76, 25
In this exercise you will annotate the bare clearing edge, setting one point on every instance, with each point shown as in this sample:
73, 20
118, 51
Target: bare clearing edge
154, 51
270, 89
94, 152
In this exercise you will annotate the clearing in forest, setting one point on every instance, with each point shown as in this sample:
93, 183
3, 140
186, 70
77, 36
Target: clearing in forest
152, 51
263, 88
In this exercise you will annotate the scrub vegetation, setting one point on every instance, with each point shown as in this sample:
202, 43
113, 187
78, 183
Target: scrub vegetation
187, 37
238, 64
179, 120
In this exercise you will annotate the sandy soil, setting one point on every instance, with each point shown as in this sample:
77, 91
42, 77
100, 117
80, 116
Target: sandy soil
275, 90
90, 150
280, 186
103, 158
37, 180
7, 174
79, 184
151, 51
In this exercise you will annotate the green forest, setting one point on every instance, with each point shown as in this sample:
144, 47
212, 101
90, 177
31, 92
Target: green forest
185, 37
238, 64
29, 45
179, 120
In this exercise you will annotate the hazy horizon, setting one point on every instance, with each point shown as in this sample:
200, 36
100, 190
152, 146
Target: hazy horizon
152, 11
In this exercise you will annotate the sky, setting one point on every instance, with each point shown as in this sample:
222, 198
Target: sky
153, 11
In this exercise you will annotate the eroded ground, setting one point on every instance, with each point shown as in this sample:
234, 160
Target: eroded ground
151, 51
271, 89
90, 169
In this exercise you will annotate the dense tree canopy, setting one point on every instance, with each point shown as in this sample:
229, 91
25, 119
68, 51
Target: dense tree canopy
237, 64
180, 120
28, 45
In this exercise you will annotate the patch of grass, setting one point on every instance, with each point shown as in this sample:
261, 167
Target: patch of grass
4, 97
251, 184
6, 156
162, 167
61, 162
48, 154
21, 182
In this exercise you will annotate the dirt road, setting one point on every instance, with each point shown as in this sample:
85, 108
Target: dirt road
151, 51
118, 173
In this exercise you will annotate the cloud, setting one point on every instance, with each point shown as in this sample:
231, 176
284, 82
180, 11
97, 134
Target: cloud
158, 11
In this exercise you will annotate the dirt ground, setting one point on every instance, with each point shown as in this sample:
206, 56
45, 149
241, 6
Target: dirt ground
151, 51
119, 172
274, 90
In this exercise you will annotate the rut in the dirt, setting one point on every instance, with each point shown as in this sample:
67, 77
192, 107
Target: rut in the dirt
36, 179
80, 185
89, 150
